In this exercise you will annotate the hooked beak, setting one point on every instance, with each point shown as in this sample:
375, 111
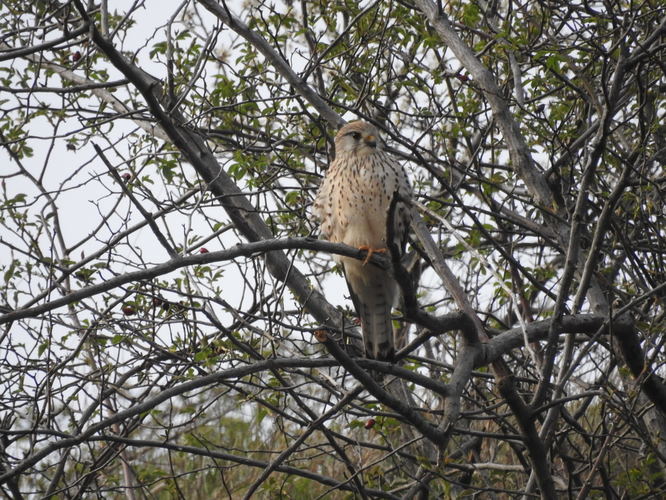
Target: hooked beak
370, 140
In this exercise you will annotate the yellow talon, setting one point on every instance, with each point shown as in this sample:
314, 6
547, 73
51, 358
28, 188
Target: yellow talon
370, 251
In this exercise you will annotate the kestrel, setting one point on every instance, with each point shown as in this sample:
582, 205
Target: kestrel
353, 204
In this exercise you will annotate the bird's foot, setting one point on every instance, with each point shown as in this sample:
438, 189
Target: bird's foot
370, 251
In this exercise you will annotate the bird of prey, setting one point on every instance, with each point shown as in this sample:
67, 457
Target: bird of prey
358, 199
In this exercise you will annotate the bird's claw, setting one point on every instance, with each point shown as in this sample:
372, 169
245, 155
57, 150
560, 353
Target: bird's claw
370, 251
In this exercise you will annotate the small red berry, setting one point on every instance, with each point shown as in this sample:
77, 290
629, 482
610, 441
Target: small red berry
126, 176
76, 56
370, 423
129, 310
203, 250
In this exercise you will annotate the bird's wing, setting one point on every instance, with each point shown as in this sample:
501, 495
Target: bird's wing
323, 206
399, 211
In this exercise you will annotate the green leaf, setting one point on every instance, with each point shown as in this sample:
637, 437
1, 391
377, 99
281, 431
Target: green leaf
9, 273
42, 347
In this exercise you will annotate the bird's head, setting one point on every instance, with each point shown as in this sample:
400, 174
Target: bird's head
357, 137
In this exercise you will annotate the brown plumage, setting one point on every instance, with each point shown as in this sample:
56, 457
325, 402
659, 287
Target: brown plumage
353, 205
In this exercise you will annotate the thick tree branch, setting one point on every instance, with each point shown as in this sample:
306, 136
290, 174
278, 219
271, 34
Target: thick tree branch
504, 342
651, 383
533, 442
244, 250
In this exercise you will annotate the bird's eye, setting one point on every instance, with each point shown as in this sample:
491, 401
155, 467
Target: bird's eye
355, 135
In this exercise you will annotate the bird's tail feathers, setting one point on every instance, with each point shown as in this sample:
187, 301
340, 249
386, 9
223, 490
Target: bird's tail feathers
373, 293
377, 330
